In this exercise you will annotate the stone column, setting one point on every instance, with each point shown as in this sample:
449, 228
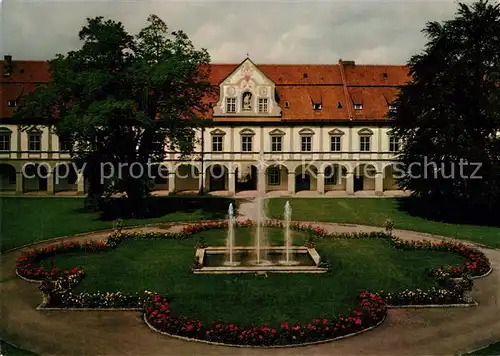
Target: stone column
19, 183
349, 183
80, 184
171, 182
379, 183
320, 183
50, 182
232, 182
261, 182
291, 182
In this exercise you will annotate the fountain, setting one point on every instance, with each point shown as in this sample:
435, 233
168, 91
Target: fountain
230, 238
288, 237
260, 237
265, 258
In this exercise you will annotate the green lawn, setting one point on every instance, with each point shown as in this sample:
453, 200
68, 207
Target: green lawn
164, 266
7, 349
371, 211
27, 220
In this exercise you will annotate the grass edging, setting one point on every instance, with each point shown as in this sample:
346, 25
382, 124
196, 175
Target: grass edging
418, 306
473, 351
28, 280
483, 275
261, 347
40, 307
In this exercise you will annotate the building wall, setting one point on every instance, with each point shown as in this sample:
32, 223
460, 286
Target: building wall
232, 156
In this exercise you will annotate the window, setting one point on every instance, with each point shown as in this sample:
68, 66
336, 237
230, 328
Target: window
358, 106
364, 143
392, 108
330, 176
335, 143
306, 143
262, 105
230, 104
317, 106
64, 145
217, 143
393, 144
34, 142
287, 104
5, 140
11, 103
276, 143
246, 143
274, 176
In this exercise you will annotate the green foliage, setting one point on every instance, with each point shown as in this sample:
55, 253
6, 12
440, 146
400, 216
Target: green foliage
119, 97
369, 211
450, 111
30, 220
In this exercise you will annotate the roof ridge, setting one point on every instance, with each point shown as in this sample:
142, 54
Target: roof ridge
257, 64
28, 60
380, 65
279, 64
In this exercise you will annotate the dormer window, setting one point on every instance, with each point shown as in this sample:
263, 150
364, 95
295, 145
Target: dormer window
287, 104
358, 106
231, 105
11, 103
317, 106
262, 105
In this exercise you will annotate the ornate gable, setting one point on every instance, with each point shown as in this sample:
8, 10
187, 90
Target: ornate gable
247, 91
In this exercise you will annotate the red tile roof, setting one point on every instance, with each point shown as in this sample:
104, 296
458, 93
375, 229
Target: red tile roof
374, 86
379, 75
26, 72
375, 101
285, 74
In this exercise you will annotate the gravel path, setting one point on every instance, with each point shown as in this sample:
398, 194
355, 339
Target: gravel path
405, 332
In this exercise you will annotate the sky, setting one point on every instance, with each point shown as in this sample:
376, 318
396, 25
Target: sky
378, 32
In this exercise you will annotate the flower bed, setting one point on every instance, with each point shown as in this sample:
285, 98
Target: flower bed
371, 311
57, 289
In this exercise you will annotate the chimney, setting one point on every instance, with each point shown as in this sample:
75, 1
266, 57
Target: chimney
7, 71
347, 95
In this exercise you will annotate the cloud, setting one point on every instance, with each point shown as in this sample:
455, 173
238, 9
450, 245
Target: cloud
271, 32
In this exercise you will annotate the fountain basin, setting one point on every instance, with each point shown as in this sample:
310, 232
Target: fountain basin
212, 260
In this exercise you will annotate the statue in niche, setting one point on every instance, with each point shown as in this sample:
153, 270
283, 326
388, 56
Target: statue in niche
247, 101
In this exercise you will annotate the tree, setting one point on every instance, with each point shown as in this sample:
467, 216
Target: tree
448, 116
119, 98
